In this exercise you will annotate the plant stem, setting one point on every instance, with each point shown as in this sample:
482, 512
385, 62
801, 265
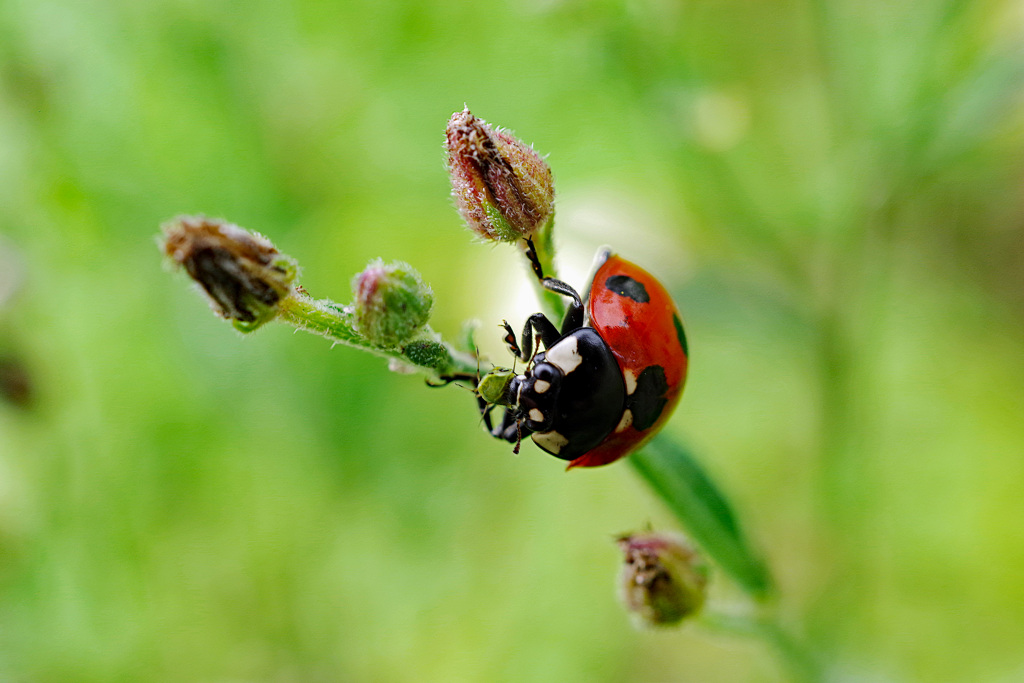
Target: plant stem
544, 243
326, 318
765, 626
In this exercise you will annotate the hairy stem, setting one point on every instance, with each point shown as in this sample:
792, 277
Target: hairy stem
335, 322
802, 666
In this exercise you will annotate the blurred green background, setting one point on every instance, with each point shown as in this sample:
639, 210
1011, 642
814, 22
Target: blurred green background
832, 191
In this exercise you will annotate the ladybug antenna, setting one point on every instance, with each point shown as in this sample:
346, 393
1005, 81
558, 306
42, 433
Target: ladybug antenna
519, 436
533, 352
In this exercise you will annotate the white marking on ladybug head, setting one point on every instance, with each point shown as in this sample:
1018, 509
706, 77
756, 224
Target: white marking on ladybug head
552, 441
625, 422
565, 355
630, 378
536, 415
540, 386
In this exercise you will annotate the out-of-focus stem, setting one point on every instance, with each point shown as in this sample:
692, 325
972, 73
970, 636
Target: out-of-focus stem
793, 654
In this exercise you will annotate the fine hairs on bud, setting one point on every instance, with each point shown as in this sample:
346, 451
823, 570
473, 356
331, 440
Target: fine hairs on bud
392, 303
502, 187
242, 273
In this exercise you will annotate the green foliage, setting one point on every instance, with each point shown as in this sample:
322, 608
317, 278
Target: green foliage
831, 190
704, 512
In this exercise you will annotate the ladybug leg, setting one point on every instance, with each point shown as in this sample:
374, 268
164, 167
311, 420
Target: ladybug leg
537, 323
511, 428
531, 255
508, 430
547, 333
574, 316
445, 380
485, 413
515, 432
511, 431
511, 343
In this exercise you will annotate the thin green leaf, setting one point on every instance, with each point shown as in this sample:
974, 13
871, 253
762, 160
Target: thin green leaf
671, 470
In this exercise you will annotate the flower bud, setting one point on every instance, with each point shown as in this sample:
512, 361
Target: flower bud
392, 303
11, 272
663, 579
243, 274
15, 383
502, 187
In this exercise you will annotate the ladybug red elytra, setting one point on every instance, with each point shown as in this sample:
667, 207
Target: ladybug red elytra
605, 382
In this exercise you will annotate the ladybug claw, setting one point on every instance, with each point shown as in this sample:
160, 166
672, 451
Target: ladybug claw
531, 255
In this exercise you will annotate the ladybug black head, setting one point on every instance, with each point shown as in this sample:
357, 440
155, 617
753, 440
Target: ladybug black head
532, 397
537, 394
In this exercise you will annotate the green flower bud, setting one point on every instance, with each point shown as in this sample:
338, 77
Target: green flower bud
663, 579
242, 273
502, 187
392, 303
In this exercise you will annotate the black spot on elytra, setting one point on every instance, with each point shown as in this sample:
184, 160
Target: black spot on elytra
680, 333
648, 400
624, 285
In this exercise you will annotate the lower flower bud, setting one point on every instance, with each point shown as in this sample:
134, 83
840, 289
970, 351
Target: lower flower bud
15, 382
663, 579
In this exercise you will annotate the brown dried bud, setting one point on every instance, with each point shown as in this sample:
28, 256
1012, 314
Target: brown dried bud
15, 383
663, 579
243, 274
503, 188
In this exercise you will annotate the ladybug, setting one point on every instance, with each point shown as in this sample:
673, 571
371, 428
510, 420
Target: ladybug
606, 381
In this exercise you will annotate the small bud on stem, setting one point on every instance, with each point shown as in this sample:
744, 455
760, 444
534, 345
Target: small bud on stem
502, 187
392, 304
663, 579
242, 273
